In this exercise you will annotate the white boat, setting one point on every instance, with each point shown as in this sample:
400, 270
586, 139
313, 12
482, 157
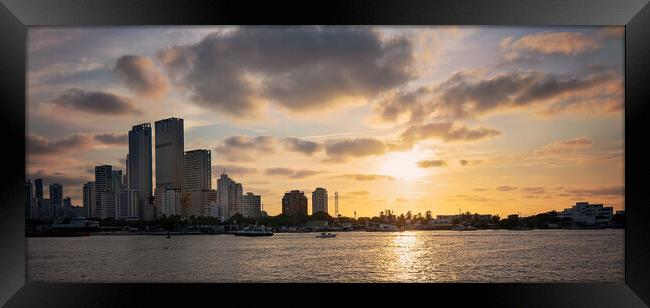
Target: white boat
326, 235
254, 231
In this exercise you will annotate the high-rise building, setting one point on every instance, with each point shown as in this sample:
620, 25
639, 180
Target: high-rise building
170, 202
89, 204
29, 200
229, 195
294, 203
103, 187
38, 195
139, 164
116, 176
129, 204
169, 153
197, 170
319, 200
56, 199
251, 205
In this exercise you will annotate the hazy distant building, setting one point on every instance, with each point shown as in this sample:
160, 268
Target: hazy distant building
89, 199
109, 203
197, 170
229, 194
319, 200
29, 200
169, 153
56, 199
251, 205
139, 165
588, 214
44, 211
103, 187
117, 181
294, 203
129, 204
38, 196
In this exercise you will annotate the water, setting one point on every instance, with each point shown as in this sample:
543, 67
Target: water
411, 256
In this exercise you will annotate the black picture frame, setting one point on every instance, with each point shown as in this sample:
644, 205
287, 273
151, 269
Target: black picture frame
17, 15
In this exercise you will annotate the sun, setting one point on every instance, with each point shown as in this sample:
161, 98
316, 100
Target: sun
402, 165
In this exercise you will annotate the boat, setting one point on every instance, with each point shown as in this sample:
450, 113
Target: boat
464, 228
381, 227
254, 231
326, 235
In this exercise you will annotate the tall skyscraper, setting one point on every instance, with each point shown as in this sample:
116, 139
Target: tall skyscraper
319, 200
229, 194
294, 203
197, 170
169, 153
139, 162
103, 188
129, 204
89, 199
116, 176
251, 205
56, 199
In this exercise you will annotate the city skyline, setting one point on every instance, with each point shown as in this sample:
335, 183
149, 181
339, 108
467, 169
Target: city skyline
402, 118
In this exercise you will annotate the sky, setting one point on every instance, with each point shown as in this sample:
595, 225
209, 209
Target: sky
494, 120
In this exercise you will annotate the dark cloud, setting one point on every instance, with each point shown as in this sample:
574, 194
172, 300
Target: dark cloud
232, 170
298, 68
242, 148
95, 102
294, 174
340, 150
112, 139
616, 190
465, 95
303, 146
365, 177
534, 190
431, 163
38, 145
141, 75
445, 131
506, 188
465, 162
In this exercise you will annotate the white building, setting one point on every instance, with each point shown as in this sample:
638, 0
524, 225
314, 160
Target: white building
170, 202
589, 214
251, 205
229, 194
319, 200
197, 170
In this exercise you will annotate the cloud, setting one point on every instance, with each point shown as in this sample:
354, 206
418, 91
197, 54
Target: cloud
359, 193
59, 177
445, 131
612, 32
340, 150
506, 188
401, 200
303, 146
465, 162
566, 146
241, 148
567, 43
294, 174
534, 190
95, 102
431, 163
365, 177
232, 170
469, 95
298, 68
615, 190
39, 145
112, 139
141, 75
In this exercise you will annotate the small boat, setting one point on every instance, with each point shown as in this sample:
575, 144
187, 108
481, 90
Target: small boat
464, 228
254, 231
326, 235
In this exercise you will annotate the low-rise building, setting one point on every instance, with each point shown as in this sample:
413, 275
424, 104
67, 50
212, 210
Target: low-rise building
588, 214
